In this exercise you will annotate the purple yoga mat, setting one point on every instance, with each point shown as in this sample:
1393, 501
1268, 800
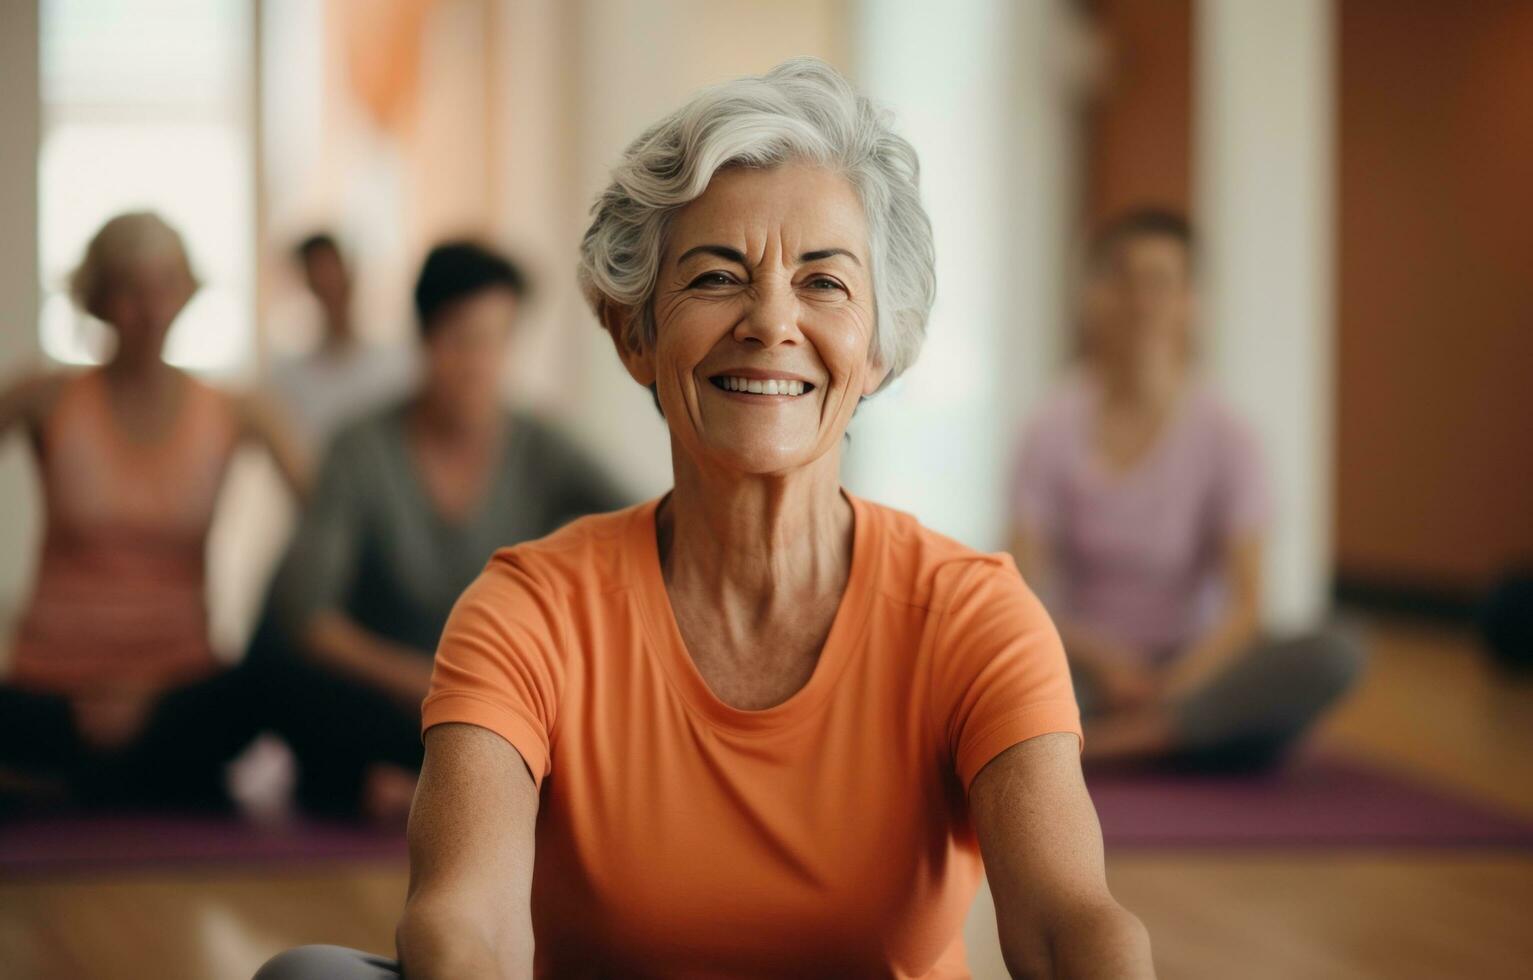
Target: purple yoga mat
67, 844
1312, 802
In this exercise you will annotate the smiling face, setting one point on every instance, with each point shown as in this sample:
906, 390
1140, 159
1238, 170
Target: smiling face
1139, 304
764, 319
465, 355
141, 300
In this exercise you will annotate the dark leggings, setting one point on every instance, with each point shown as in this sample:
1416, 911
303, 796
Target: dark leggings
337, 727
177, 760
328, 963
1249, 714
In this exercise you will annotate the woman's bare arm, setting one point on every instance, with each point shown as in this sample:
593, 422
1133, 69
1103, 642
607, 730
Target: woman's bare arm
1043, 857
265, 424
26, 400
1234, 629
340, 643
468, 912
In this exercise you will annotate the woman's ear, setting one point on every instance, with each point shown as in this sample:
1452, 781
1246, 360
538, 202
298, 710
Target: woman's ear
877, 372
637, 360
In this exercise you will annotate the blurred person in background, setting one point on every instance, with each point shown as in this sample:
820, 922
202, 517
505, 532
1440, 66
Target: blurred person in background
757, 727
114, 694
1141, 505
410, 503
343, 376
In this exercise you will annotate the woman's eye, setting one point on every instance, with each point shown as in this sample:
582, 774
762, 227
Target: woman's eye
712, 279
824, 282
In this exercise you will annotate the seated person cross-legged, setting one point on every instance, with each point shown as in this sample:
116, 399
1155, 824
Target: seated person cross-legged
410, 503
757, 727
1141, 509
114, 695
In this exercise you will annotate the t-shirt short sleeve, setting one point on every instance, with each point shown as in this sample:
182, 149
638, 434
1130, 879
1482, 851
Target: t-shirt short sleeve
1039, 479
1000, 676
1243, 501
499, 662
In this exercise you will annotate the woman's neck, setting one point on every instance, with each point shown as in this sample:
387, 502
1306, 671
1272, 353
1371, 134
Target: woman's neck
128, 369
440, 426
1152, 385
728, 534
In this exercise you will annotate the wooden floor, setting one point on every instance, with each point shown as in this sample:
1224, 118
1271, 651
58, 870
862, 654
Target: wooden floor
1429, 706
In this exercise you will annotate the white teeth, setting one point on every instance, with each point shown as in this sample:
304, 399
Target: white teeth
772, 386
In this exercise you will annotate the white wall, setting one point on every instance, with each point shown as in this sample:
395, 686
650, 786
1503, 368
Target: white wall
19, 130
978, 89
531, 143
1264, 183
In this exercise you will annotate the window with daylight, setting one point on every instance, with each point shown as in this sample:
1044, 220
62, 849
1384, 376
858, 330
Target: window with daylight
147, 104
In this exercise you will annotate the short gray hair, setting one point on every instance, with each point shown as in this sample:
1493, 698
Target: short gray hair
802, 110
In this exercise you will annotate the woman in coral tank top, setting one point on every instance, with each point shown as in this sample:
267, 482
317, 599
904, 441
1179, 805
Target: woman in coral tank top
112, 691
758, 727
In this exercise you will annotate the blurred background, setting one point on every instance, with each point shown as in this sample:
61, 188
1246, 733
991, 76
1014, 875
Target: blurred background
1358, 175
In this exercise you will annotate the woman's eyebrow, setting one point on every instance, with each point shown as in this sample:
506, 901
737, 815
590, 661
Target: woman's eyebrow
825, 253
722, 251
738, 257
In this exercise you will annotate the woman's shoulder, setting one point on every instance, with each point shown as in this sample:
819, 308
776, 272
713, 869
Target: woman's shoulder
1060, 417
32, 394
1218, 420
544, 437
33, 399
592, 554
1066, 401
923, 567
369, 433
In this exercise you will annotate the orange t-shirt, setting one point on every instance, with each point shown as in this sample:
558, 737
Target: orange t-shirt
681, 837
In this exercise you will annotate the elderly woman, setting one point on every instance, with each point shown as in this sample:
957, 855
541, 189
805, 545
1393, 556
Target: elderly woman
114, 693
1141, 509
757, 727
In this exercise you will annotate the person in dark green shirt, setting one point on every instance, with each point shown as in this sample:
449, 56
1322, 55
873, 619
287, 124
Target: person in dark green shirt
409, 505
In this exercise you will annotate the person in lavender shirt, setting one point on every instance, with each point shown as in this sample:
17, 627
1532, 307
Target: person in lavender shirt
1140, 509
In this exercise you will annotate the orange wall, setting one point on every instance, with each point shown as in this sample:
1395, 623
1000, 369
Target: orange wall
1434, 467
1139, 130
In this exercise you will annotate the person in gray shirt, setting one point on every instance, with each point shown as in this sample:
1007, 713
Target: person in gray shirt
409, 505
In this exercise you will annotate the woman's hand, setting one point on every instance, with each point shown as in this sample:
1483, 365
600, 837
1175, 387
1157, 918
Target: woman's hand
109, 720
1233, 631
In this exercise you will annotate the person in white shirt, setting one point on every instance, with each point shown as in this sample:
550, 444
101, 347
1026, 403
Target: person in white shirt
343, 375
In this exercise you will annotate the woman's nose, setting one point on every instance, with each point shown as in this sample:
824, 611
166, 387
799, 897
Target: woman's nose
772, 317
